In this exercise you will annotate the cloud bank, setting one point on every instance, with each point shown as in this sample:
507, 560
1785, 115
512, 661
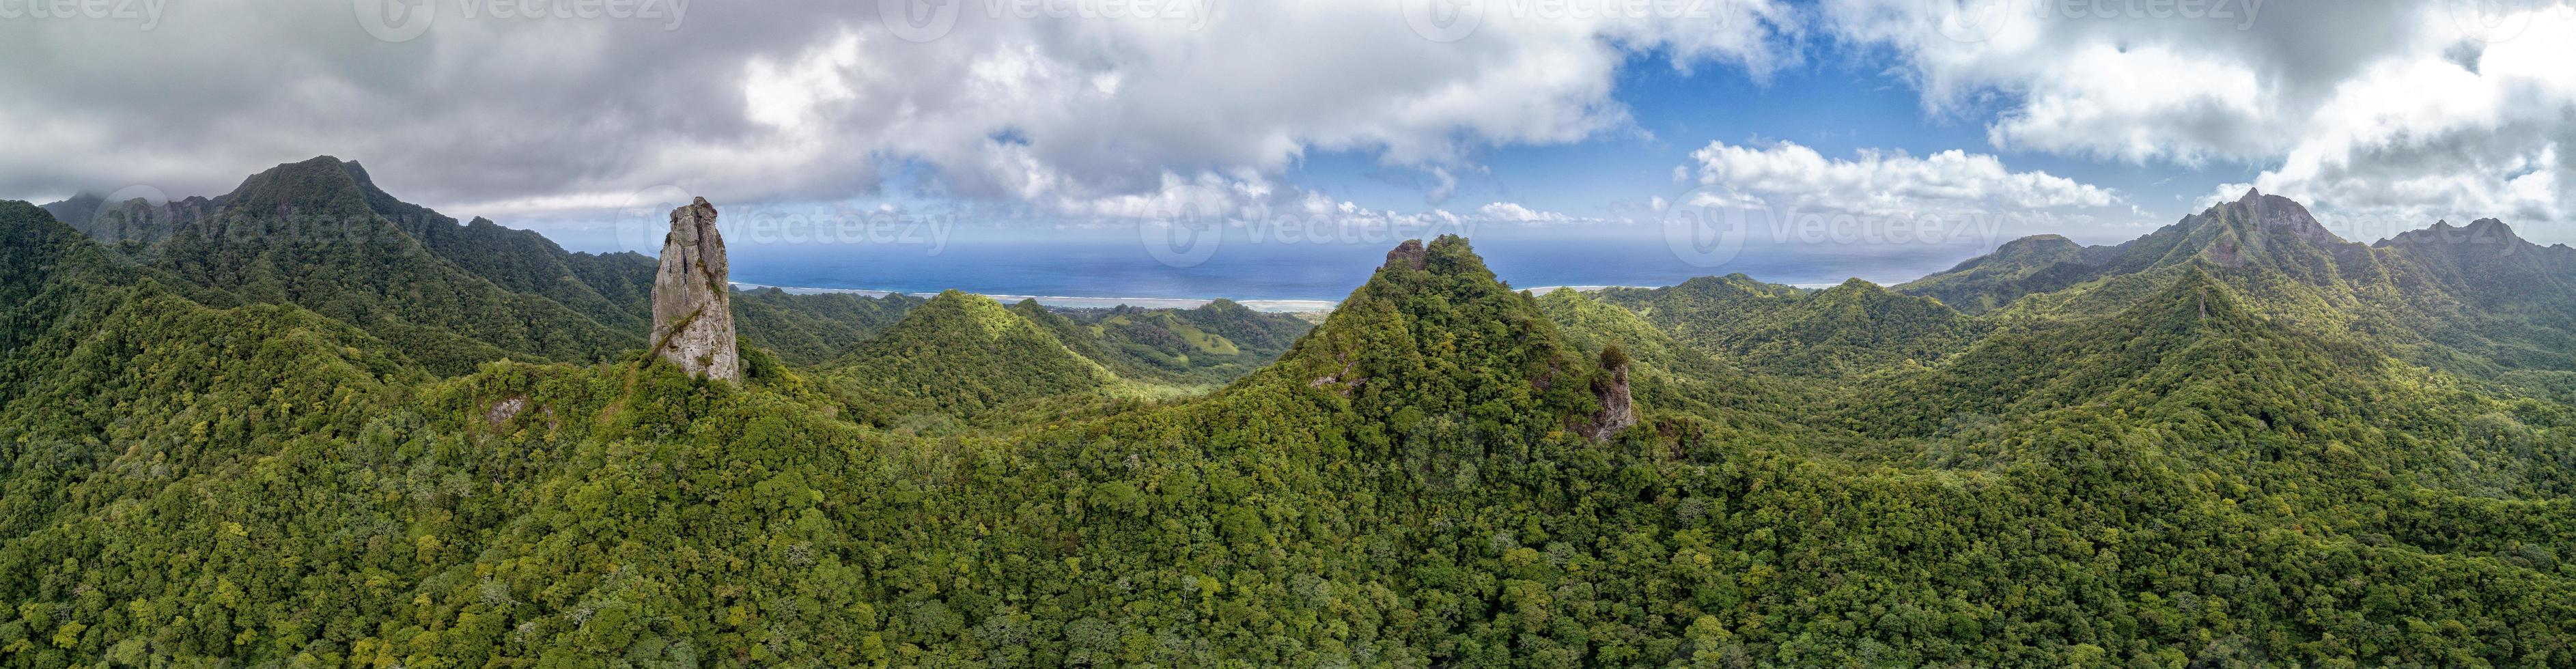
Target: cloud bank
1069, 105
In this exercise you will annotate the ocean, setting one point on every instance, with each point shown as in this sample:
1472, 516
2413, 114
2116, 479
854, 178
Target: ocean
1103, 267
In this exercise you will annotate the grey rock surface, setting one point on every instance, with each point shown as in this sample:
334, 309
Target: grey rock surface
692, 303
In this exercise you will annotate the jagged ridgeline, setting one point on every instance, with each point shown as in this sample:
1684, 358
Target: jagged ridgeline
1210, 344
1851, 329
2235, 442
965, 354
450, 295
447, 295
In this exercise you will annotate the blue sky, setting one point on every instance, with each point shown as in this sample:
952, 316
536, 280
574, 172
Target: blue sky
1597, 129
1840, 102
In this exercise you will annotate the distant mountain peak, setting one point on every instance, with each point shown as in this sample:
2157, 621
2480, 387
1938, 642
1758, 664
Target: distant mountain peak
322, 185
2273, 212
2257, 229
967, 353
2031, 250
2037, 263
2493, 225
1447, 256
356, 171
2487, 233
1409, 255
1408, 337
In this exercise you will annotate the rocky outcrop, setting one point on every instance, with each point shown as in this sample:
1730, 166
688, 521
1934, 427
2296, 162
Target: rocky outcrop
2281, 214
692, 309
1409, 254
1618, 405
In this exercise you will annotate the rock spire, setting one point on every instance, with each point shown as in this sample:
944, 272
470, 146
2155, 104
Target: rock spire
692, 307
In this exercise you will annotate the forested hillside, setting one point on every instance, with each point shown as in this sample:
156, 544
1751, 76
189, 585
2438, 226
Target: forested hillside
319, 234
964, 354
1849, 329
2235, 442
1209, 344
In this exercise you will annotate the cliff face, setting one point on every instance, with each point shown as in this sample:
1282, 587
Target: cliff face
692, 310
1409, 254
1618, 405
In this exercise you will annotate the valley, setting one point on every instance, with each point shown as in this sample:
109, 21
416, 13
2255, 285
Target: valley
304, 423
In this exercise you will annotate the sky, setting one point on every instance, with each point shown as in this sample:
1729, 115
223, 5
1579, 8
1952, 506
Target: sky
1874, 138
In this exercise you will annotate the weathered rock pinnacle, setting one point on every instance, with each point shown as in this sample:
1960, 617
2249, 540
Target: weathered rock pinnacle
1618, 405
1408, 254
692, 308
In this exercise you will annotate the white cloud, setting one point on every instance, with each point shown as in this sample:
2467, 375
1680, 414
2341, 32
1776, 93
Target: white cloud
2397, 109
1513, 212
789, 96
2422, 139
2227, 79
1444, 185
816, 98
1884, 183
2413, 111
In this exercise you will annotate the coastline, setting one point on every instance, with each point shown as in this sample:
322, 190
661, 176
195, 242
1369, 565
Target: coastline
1084, 302
1077, 302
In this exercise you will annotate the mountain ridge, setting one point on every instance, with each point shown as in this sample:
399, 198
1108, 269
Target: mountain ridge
968, 354
2229, 456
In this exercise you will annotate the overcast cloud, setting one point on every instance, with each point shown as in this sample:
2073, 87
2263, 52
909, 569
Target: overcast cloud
2386, 114
2400, 110
810, 98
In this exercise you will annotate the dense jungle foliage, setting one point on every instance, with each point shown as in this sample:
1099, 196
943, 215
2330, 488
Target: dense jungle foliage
2234, 442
